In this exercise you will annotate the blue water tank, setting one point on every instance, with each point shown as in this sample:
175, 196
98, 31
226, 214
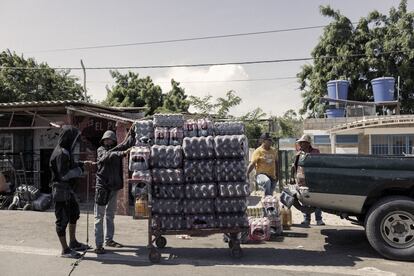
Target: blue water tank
383, 89
335, 113
341, 85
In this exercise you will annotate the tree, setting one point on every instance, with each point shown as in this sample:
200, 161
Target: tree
254, 127
132, 91
290, 124
175, 100
24, 79
220, 108
379, 45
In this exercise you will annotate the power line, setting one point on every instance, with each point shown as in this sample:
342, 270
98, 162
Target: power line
180, 39
197, 64
218, 81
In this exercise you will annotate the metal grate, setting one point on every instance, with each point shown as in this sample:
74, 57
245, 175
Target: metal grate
392, 144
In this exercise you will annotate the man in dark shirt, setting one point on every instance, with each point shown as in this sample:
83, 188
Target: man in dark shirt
109, 180
64, 171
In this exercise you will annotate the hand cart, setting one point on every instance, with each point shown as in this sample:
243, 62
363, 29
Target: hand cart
156, 235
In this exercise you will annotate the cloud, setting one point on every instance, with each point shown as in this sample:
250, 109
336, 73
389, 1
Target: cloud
273, 97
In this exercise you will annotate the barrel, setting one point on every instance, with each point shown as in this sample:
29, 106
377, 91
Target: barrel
335, 113
341, 85
383, 89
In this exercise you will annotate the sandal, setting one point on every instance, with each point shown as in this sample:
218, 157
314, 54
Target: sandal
113, 244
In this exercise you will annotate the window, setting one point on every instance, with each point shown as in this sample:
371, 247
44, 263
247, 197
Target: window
392, 144
347, 139
321, 139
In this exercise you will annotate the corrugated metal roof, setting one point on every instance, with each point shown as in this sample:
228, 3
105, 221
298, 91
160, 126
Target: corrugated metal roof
66, 103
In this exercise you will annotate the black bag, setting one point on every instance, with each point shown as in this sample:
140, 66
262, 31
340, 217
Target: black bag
61, 192
101, 196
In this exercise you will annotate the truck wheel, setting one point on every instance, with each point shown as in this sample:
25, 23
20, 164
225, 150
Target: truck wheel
389, 227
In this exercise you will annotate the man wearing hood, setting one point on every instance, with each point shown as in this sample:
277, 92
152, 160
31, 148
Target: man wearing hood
109, 180
64, 171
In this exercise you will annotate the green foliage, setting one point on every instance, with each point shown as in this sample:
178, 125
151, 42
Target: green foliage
131, 91
380, 45
291, 125
175, 100
35, 85
220, 108
253, 125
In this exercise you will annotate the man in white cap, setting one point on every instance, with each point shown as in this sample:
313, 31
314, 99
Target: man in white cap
305, 144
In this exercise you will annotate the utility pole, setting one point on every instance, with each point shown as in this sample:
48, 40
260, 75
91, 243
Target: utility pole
84, 78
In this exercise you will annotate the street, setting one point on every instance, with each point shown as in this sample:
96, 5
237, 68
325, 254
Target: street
28, 246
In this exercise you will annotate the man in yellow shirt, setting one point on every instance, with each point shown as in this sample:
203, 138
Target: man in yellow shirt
264, 160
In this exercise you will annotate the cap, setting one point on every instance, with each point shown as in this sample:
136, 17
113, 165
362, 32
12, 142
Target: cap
305, 138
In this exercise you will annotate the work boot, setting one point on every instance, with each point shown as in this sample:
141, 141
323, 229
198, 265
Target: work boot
320, 223
77, 246
305, 223
69, 253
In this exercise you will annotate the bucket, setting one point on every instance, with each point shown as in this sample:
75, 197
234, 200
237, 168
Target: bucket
383, 89
341, 85
335, 113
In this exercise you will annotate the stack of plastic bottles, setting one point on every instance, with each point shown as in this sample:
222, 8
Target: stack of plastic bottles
231, 153
167, 174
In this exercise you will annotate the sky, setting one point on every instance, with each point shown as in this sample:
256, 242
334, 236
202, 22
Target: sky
32, 28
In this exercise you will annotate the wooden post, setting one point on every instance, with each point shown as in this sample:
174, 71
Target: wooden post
123, 195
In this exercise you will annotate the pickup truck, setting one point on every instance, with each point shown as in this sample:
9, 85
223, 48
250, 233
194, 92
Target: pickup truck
376, 192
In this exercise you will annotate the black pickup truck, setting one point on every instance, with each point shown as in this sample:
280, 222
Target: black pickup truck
376, 192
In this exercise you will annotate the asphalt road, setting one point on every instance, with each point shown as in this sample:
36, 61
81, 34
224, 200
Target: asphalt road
28, 246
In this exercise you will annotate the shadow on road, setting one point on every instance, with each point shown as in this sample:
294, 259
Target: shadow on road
342, 248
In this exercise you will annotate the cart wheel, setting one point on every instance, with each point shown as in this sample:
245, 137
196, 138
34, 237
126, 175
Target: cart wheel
161, 242
236, 252
154, 256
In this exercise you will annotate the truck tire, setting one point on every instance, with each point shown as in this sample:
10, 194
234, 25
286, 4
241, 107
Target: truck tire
389, 227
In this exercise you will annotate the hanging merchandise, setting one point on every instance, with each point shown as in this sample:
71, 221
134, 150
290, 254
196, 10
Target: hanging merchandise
176, 136
141, 208
166, 157
144, 132
259, 229
167, 176
198, 206
228, 128
231, 205
162, 136
168, 120
231, 146
231, 170
201, 190
205, 127
198, 147
139, 159
234, 189
199, 171
200, 221
168, 191
190, 128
